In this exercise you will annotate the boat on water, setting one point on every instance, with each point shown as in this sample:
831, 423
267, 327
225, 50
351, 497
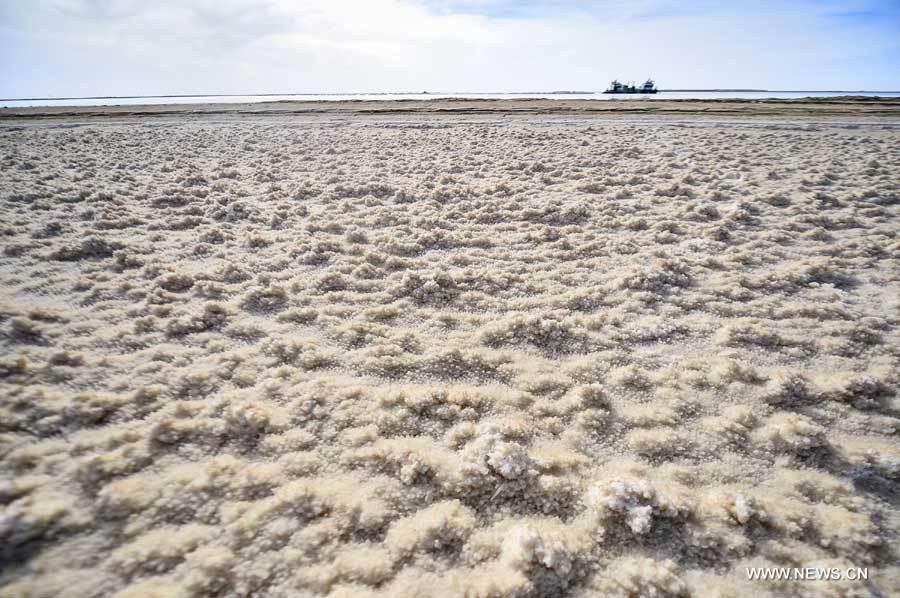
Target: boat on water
648, 87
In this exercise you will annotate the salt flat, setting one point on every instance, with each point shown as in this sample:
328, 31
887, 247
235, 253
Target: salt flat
444, 352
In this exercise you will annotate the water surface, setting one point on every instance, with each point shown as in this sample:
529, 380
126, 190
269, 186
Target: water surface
598, 95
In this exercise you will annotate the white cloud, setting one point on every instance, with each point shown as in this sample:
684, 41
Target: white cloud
124, 47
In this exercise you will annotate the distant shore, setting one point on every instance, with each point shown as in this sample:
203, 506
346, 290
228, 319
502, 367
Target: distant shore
842, 106
440, 93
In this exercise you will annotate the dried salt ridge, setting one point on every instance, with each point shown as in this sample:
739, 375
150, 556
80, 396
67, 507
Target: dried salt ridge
440, 358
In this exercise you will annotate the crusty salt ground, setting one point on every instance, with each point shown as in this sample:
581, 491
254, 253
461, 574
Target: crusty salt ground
441, 358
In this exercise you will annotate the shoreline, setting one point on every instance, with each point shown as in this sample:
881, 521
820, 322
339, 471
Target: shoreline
844, 106
441, 94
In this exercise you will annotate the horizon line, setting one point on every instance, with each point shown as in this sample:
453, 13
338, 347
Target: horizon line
354, 93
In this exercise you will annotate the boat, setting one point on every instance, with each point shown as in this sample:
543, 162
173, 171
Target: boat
615, 87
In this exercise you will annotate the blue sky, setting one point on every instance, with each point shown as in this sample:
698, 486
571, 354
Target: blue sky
53, 48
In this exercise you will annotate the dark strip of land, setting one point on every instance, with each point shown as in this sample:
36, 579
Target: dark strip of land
845, 106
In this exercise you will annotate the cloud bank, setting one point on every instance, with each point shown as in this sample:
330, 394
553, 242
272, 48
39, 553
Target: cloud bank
57, 48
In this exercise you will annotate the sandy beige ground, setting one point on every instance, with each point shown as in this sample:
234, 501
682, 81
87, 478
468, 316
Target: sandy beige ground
425, 355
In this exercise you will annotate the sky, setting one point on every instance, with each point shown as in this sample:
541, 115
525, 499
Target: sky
70, 48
